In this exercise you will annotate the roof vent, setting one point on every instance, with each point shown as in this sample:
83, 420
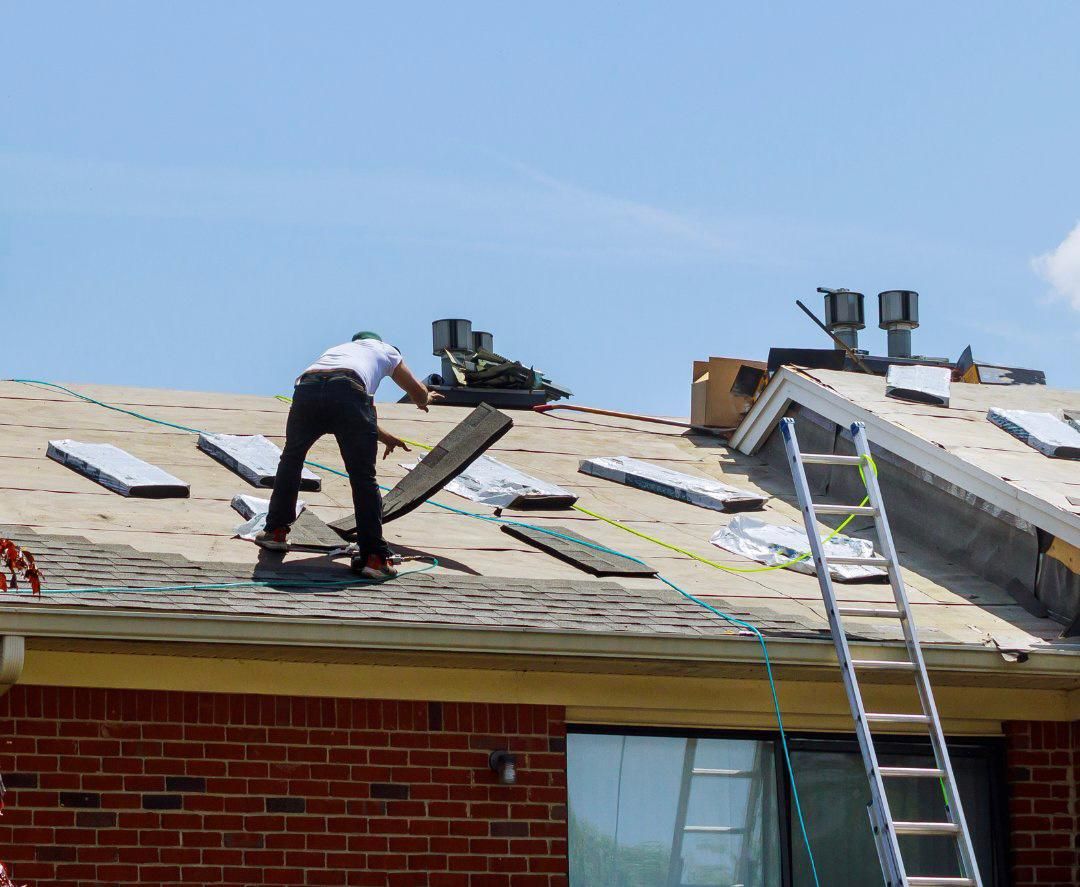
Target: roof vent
483, 341
844, 315
453, 335
899, 313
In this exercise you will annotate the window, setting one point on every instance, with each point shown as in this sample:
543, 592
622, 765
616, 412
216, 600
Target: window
654, 810
664, 810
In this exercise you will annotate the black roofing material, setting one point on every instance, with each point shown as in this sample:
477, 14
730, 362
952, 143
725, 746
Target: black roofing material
117, 470
309, 533
582, 556
465, 443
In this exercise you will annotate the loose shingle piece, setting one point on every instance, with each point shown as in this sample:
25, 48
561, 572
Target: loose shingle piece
489, 481
1044, 431
702, 491
579, 551
118, 470
464, 444
253, 457
922, 384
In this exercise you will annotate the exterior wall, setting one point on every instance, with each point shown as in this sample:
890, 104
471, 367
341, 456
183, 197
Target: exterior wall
1044, 802
162, 788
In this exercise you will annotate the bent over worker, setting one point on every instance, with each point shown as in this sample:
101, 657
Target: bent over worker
335, 395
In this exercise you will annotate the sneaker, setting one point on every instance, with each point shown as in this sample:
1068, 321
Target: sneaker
274, 540
374, 567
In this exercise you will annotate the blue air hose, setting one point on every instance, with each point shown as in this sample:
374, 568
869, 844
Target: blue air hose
500, 520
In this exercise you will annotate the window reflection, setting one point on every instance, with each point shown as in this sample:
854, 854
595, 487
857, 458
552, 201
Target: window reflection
654, 811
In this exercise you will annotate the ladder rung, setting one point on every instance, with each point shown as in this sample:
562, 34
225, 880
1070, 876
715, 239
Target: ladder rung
931, 881
710, 771
715, 829
912, 772
829, 459
845, 509
873, 612
879, 718
859, 561
884, 664
926, 828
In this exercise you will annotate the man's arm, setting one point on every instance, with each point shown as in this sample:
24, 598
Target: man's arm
391, 442
416, 390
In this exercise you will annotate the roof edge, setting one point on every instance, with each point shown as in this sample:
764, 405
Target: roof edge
393, 636
792, 386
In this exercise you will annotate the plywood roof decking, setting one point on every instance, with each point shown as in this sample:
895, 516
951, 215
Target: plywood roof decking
957, 443
48, 499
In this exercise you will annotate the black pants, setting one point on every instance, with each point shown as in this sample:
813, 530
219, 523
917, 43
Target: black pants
337, 405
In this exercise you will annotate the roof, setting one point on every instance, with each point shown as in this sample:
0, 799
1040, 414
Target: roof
87, 536
955, 443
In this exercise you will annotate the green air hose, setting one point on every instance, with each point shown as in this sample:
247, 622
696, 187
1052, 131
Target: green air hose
500, 520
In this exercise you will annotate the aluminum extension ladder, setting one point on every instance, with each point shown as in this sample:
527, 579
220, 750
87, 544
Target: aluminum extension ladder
886, 830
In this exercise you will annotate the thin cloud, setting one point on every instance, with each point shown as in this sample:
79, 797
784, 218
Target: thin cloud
529, 213
1061, 268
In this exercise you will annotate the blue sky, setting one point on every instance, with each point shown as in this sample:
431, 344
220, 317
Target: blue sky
206, 195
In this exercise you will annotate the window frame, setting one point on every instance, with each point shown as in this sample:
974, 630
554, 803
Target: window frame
989, 748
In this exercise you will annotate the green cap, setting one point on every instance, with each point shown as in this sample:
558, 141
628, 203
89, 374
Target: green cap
367, 334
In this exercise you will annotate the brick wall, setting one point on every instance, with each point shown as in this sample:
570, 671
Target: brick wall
1044, 802
153, 788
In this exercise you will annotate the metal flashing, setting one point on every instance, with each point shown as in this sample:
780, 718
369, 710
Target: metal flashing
253, 457
579, 554
117, 470
702, 491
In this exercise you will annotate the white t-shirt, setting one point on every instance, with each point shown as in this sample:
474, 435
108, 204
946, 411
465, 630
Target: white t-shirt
370, 359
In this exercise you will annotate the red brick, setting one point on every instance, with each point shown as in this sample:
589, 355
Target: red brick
439, 828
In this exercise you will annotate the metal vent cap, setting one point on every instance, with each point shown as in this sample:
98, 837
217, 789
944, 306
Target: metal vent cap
898, 309
451, 334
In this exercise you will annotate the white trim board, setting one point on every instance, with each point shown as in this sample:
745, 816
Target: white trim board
790, 386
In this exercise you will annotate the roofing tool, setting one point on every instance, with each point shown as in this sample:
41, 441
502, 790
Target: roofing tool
886, 829
548, 407
840, 343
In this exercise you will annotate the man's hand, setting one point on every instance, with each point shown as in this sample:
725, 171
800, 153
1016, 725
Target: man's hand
428, 399
392, 443
418, 392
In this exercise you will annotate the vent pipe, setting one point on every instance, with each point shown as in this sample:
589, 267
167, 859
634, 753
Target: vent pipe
483, 341
899, 315
453, 335
844, 315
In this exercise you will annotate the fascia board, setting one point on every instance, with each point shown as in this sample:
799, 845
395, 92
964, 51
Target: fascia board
76, 623
790, 387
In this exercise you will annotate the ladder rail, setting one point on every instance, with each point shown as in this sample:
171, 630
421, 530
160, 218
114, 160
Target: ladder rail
885, 835
954, 807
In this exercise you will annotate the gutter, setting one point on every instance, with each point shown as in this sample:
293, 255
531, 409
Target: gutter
268, 631
12, 657
792, 386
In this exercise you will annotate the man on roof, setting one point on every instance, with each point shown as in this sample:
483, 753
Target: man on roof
335, 395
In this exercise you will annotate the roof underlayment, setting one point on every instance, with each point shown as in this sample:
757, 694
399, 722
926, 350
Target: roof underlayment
486, 578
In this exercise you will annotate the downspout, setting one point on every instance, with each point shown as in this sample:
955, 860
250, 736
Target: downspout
12, 655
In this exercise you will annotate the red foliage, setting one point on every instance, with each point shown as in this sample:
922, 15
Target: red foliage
19, 562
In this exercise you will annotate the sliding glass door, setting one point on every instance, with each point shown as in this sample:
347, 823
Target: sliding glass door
651, 810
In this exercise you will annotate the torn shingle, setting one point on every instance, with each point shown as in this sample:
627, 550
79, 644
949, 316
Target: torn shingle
581, 553
464, 444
